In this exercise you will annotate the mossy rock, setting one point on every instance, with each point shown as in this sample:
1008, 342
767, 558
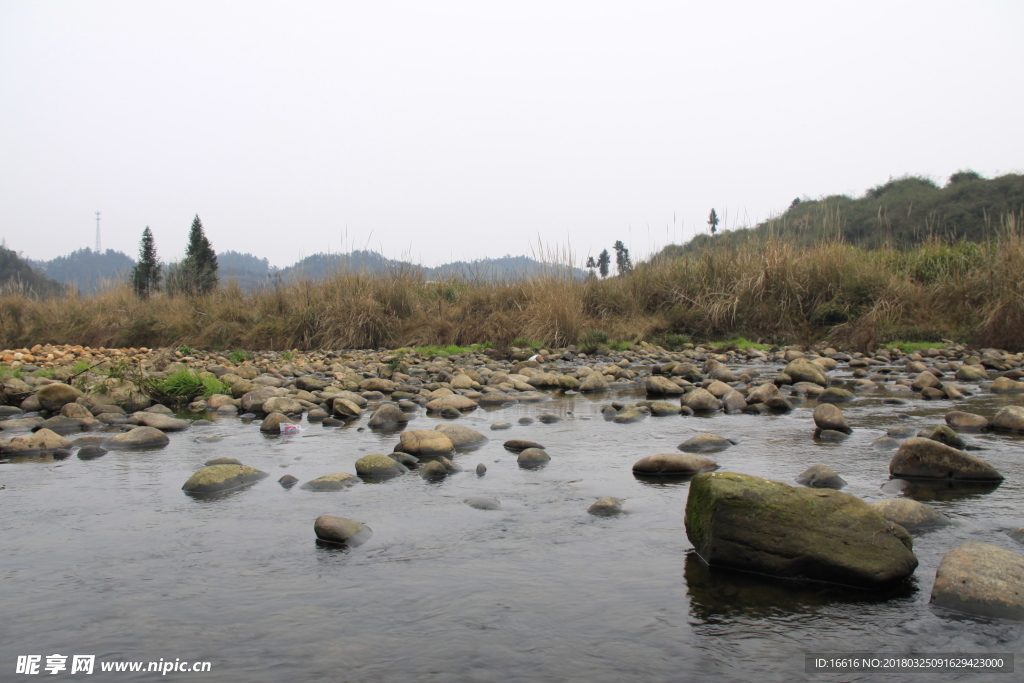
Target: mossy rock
340, 531
331, 482
920, 458
754, 524
378, 465
218, 478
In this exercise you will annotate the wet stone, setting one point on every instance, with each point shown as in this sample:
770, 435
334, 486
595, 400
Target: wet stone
607, 506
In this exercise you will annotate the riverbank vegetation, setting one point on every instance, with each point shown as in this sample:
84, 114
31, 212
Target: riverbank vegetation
768, 290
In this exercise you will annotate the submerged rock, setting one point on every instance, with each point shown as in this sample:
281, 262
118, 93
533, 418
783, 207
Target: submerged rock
222, 461
140, 437
288, 481
41, 440
517, 445
926, 459
379, 465
705, 443
606, 506
820, 477
91, 452
983, 579
218, 478
331, 482
340, 530
753, 524
967, 421
910, 514
673, 464
483, 503
533, 457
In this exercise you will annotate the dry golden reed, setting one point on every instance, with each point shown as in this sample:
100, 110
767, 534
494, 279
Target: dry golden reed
771, 290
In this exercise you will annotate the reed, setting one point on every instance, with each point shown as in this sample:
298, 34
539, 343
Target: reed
771, 290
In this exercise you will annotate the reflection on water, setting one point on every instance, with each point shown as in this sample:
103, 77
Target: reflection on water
111, 556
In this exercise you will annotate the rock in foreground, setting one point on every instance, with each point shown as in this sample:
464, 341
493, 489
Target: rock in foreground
983, 579
753, 524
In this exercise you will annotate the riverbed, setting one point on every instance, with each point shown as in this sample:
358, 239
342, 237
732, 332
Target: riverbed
110, 557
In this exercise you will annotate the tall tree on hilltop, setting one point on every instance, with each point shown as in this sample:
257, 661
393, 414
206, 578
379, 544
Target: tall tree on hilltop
713, 221
147, 272
622, 260
197, 272
603, 260
591, 266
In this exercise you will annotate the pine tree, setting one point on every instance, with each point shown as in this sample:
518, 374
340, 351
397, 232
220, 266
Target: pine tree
713, 221
147, 272
591, 266
622, 260
603, 260
197, 272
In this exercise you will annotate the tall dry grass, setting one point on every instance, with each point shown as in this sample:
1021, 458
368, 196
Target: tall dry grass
770, 290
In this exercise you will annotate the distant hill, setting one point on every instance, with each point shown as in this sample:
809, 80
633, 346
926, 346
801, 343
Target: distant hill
16, 274
319, 266
247, 270
88, 270
901, 212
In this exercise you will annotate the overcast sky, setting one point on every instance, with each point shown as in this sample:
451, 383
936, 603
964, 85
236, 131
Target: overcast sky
437, 131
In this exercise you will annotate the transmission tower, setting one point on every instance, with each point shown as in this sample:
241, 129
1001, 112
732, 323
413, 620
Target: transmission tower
97, 232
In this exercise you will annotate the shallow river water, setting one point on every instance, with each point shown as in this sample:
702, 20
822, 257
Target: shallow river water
109, 557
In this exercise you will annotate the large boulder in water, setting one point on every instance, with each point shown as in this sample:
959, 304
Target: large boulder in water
820, 477
218, 478
42, 440
753, 524
923, 458
140, 437
595, 381
962, 421
388, 415
456, 401
165, 423
701, 401
425, 442
461, 437
379, 465
983, 579
803, 370
55, 396
827, 416
252, 401
662, 386
1009, 419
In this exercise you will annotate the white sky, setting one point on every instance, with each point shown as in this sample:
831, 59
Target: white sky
437, 131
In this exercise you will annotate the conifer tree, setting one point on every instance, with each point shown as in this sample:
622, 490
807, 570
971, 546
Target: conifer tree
603, 260
622, 260
147, 272
197, 272
713, 221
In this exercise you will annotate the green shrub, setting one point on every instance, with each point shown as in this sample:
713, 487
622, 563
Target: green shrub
287, 355
829, 314
671, 341
212, 385
238, 356
184, 384
523, 342
186, 350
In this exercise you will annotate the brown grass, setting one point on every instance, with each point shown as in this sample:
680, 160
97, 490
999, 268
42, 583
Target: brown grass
772, 291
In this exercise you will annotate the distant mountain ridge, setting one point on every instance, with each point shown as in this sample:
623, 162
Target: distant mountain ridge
89, 271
